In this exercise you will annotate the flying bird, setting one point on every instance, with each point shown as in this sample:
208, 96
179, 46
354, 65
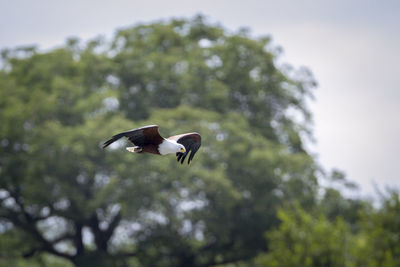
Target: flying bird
148, 139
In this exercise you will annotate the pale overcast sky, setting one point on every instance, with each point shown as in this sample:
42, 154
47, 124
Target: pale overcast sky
352, 47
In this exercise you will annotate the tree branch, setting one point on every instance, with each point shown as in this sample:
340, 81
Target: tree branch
99, 240
28, 225
78, 238
114, 223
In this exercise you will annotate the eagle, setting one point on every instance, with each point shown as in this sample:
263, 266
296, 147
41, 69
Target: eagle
148, 139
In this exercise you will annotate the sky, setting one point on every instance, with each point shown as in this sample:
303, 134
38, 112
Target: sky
352, 48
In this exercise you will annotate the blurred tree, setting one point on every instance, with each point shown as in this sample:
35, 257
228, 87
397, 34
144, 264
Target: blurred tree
369, 238
333, 203
306, 239
378, 239
62, 195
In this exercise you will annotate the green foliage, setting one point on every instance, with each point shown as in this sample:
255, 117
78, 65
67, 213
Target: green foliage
305, 239
312, 239
378, 239
333, 203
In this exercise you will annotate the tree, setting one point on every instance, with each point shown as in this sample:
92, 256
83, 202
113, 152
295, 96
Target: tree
306, 239
378, 238
70, 199
317, 238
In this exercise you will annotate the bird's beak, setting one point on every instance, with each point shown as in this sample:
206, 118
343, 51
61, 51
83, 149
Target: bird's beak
183, 150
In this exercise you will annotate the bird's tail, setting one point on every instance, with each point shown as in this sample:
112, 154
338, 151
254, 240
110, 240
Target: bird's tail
112, 140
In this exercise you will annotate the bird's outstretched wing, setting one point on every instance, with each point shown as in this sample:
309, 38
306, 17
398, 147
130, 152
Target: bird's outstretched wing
192, 143
139, 137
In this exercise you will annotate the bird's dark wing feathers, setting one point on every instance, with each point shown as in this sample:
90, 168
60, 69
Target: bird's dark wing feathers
192, 143
139, 137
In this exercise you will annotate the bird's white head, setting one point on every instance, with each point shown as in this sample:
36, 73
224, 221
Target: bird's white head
169, 146
181, 148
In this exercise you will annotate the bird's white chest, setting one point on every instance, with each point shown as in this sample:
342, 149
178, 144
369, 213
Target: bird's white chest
168, 147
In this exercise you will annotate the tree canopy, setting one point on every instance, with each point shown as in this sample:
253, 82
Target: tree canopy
65, 201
